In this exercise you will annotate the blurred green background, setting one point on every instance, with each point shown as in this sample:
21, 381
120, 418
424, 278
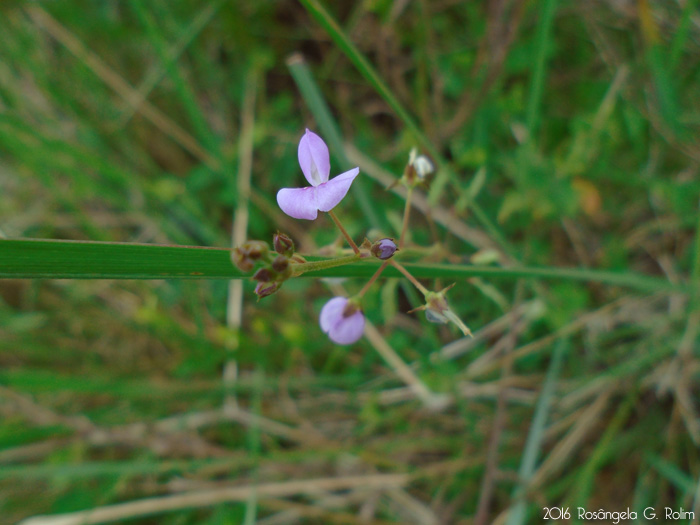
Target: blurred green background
567, 136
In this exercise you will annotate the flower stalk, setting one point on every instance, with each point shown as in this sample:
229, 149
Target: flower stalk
406, 214
301, 268
344, 232
369, 283
410, 277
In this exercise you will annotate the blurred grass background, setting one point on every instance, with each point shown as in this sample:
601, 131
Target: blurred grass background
566, 135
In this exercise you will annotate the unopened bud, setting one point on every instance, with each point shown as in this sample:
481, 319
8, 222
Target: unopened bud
283, 244
280, 264
418, 169
255, 250
263, 275
384, 249
423, 166
241, 260
265, 289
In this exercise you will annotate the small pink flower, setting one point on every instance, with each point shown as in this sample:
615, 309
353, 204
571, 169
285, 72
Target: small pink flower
342, 320
323, 194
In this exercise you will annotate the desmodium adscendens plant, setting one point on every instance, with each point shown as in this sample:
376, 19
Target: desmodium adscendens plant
341, 318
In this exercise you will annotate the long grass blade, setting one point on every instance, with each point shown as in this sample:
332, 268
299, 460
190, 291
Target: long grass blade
44, 259
535, 437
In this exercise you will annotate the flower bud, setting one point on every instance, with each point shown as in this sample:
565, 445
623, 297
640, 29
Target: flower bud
263, 275
280, 264
384, 249
255, 250
265, 289
418, 169
241, 260
423, 166
283, 244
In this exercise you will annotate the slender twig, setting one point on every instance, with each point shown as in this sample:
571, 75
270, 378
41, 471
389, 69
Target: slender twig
406, 214
410, 277
406, 374
344, 232
372, 279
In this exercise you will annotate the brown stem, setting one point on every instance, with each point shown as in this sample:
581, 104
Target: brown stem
408, 276
406, 213
344, 232
372, 279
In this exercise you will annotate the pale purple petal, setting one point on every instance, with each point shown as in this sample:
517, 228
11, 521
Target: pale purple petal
331, 312
299, 203
341, 330
314, 159
330, 193
348, 330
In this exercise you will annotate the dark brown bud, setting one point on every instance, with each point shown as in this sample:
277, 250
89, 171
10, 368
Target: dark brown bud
241, 260
280, 264
255, 250
283, 244
263, 275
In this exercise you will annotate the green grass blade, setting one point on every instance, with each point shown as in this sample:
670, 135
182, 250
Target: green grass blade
97, 260
604, 451
365, 68
147, 18
45, 259
544, 31
536, 433
110, 468
680, 38
672, 473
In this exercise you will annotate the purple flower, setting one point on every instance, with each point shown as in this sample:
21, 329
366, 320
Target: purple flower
384, 249
323, 194
342, 320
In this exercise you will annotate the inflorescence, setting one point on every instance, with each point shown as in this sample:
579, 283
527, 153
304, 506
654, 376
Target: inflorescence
341, 317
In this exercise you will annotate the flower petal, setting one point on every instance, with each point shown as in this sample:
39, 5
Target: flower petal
330, 193
348, 330
331, 312
314, 159
299, 203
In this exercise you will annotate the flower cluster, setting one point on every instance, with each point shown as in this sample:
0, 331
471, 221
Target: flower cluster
274, 267
341, 318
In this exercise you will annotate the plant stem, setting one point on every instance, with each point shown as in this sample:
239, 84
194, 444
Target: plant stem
406, 213
301, 268
372, 279
345, 233
408, 276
